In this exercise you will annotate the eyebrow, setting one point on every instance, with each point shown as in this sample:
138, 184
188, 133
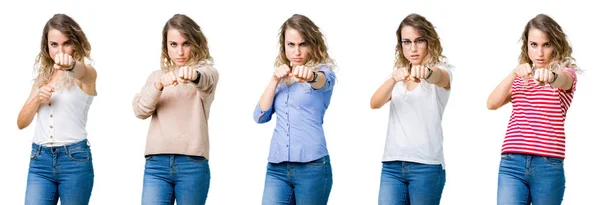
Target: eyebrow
548, 42
406, 39
295, 43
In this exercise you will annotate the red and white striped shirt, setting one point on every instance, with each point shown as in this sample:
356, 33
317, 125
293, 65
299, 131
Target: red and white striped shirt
536, 125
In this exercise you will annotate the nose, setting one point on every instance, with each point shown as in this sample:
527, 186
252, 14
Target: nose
61, 49
540, 52
180, 50
297, 51
413, 47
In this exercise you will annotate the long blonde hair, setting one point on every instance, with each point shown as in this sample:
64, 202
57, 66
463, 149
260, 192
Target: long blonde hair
44, 65
192, 32
561, 52
425, 28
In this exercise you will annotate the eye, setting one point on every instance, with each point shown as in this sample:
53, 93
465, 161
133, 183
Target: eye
53, 44
290, 44
186, 44
406, 42
532, 44
546, 45
420, 40
303, 44
173, 44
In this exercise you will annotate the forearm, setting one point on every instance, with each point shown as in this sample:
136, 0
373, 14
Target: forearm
266, 99
320, 82
27, 113
501, 94
383, 94
563, 81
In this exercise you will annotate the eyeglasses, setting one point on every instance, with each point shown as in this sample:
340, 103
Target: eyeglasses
419, 42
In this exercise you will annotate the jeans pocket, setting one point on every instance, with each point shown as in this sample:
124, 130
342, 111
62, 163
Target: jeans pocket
505, 156
319, 162
149, 157
200, 159
82, 155
34, 155
554, 161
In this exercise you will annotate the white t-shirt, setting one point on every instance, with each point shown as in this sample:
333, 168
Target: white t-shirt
415, 124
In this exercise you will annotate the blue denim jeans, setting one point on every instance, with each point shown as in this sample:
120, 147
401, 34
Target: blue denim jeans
298, 183
526, 179
411, 183
64, 172
169, 178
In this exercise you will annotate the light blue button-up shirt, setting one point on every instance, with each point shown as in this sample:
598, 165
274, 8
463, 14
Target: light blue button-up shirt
298, 134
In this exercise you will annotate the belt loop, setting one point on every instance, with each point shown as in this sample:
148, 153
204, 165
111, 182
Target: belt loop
66, 149
39, 149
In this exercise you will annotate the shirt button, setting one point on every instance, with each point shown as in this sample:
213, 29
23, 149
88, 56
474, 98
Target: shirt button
286, 145
51, 126
49, 104
51, 137
51, 115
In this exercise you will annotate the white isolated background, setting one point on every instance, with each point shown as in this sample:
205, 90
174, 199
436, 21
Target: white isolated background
481, 39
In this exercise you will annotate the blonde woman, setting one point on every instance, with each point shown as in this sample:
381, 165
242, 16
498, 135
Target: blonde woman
63, 90
178, 97
299, 92
541, 89
418, 91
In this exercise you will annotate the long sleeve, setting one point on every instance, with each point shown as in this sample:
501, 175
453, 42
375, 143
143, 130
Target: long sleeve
144, 103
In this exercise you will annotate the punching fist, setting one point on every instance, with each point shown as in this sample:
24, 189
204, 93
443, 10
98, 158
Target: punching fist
419, 72
187, 74
543, 75
63, 61
523, 71
44, 94
303, 74
401, 74
281, 72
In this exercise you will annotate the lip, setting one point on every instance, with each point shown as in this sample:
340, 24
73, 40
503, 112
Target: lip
414, 56
297, 59
181, 60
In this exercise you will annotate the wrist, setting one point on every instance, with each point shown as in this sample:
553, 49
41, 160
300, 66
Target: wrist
197, 80
72, 67
314, 79
555, 76
430, 73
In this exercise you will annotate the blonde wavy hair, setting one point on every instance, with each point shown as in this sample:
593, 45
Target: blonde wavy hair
425, 28
314, 39
561, 52
44, 65
199, 55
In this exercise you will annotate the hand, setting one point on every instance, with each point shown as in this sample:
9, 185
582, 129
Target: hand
303, 74
281, 72
401, 74
63, 61
44, 94
187, 74
167, 79
542, 76
523, 71
418, 73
